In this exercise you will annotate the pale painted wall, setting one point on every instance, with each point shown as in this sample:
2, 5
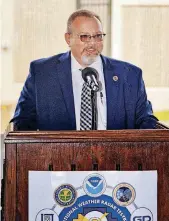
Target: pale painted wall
30, 30
140, 34
34, 29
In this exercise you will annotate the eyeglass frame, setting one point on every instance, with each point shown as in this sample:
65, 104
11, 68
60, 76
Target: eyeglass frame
90, 36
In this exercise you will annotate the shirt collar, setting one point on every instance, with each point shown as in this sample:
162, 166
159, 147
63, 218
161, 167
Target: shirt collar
97, 64
75, 65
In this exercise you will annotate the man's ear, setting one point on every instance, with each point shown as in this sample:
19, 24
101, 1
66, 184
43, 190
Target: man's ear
67, 38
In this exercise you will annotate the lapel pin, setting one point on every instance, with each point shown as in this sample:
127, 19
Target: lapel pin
115, 78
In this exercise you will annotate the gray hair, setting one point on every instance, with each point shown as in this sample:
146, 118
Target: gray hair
80, 13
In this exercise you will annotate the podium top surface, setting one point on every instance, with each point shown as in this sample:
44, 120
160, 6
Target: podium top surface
83, 136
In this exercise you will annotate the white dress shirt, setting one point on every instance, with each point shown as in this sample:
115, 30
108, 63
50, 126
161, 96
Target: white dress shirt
78, 81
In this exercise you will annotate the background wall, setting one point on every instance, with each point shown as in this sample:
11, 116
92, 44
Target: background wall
140, 34
31, 30
137, 32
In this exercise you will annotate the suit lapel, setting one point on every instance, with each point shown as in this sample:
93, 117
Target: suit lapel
112, 82
65, 80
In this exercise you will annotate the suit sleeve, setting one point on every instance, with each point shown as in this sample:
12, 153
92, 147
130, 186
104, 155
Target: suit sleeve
144, 113
25, 113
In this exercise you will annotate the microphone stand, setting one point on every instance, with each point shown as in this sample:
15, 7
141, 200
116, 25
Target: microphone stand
94, 110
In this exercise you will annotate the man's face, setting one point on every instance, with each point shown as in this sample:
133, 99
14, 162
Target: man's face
85, 52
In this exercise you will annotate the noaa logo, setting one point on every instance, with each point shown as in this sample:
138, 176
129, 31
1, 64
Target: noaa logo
124, 194
65, 195
94, 185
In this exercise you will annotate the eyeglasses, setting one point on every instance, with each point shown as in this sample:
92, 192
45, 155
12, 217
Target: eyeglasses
87, 38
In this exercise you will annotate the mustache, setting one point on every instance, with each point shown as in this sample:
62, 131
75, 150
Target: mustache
93, 48
90, 48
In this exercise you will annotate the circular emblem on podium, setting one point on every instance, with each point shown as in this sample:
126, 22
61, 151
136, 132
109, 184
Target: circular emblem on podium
142, 213
46, 214
124, 194
94, 185
65, 195
94, 216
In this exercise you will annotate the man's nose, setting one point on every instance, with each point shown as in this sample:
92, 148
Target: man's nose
92, 40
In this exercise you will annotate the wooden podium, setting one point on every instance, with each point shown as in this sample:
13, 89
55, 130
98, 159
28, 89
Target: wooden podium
89, 150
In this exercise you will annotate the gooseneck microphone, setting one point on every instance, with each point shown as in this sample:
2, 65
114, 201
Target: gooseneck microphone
90, 75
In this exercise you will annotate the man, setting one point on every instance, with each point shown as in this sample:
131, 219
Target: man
51, 97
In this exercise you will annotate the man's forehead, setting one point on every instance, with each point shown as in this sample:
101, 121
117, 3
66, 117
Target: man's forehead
86, 24
89, 33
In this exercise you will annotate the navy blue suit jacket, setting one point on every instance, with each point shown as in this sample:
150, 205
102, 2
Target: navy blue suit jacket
47, 103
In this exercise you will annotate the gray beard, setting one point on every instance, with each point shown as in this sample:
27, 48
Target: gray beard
88, 60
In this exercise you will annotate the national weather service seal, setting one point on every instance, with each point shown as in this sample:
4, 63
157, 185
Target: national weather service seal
65, 195
124, 194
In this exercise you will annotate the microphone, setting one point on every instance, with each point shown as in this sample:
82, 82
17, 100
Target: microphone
90, 75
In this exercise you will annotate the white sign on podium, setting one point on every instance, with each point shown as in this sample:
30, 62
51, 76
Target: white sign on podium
93, 196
